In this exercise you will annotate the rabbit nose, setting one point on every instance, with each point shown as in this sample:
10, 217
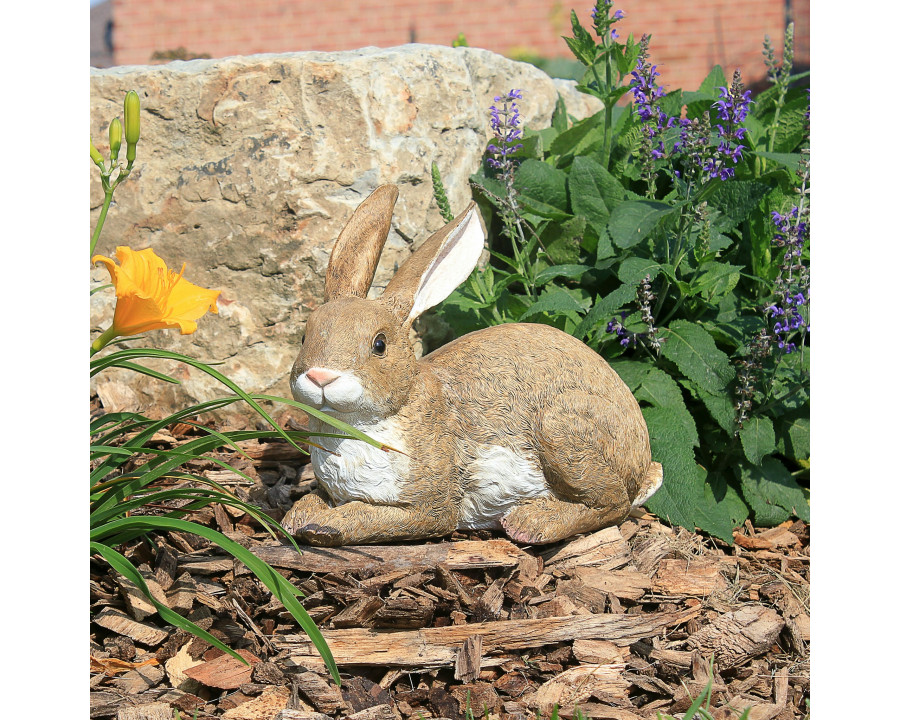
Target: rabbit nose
322, 377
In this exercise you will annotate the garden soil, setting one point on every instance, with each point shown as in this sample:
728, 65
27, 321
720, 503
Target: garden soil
622, 624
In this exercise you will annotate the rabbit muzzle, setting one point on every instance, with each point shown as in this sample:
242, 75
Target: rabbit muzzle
329, 390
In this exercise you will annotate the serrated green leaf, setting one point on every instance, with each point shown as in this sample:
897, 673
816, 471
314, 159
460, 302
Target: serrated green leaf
789, 160
772, 493
634, 269
726, 495
713, 81
633, 220
736, 199
757, 438
716, 278
632, 372
682, 488
603, 309
579, 137
792, 125
585, 195
796, 432
717, 516
557, 271
659, 389
542, 182
720, 407
694, 352
560, 119
554, 303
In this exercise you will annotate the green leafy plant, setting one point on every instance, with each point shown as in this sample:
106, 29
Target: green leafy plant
672, 236
138, 490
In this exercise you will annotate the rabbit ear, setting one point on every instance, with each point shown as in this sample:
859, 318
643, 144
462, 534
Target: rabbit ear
439, 266
358, 247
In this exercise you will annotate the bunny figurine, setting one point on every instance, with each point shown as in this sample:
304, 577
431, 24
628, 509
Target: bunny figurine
519, 426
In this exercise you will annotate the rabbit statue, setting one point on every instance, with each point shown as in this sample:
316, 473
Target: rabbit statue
518, 427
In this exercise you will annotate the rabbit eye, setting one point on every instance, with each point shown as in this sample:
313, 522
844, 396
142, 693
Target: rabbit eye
379, 345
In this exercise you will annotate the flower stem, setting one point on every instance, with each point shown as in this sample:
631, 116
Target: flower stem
106, 202
103, 340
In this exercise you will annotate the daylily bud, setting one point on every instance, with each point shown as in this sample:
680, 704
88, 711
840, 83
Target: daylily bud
95, 154
115, 138
132, 123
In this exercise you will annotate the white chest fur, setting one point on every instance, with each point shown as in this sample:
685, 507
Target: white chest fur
355, 470
495, 481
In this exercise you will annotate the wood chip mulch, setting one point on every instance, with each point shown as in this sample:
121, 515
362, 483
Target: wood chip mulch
621, 623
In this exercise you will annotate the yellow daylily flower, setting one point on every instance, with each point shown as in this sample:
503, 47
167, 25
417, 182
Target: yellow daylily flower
149, 296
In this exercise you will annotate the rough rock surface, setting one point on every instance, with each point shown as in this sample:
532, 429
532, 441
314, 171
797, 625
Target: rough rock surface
248, 167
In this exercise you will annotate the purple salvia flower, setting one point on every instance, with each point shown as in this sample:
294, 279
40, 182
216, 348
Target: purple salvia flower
696, 136
792, 283
647, 95
505, 121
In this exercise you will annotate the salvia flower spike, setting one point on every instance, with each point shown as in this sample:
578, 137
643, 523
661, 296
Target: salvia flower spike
647, 95
505, 121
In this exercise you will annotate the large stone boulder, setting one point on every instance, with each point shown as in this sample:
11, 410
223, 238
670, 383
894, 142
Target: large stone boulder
248, 167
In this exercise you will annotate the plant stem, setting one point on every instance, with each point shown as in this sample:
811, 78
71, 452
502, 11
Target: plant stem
107, 200
103, 340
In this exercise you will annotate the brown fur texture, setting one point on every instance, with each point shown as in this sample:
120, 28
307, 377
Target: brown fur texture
516, 406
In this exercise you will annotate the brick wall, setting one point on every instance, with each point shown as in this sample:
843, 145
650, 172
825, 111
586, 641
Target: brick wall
688, 38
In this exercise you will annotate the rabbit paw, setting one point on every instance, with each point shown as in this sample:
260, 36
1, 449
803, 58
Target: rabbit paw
521, 532
307, 510
322, 535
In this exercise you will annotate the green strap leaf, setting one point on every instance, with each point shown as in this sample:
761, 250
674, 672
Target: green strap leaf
123, 566
267, 575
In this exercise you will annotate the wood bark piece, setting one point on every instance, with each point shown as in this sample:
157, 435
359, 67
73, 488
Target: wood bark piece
463, 555
359, 614
577, 684
795, 616
114, 666
376, 712
139, 680
605, 549
404, 612
468, 660
681, 577
175, 667
598, 712
150, 711
224, 672
600, 652
438, 647
273, 699
207, 565
737, 636
474, 698
139, 606
322, 695
628, 584
181, 594
119, 622
166, 567
300, 715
